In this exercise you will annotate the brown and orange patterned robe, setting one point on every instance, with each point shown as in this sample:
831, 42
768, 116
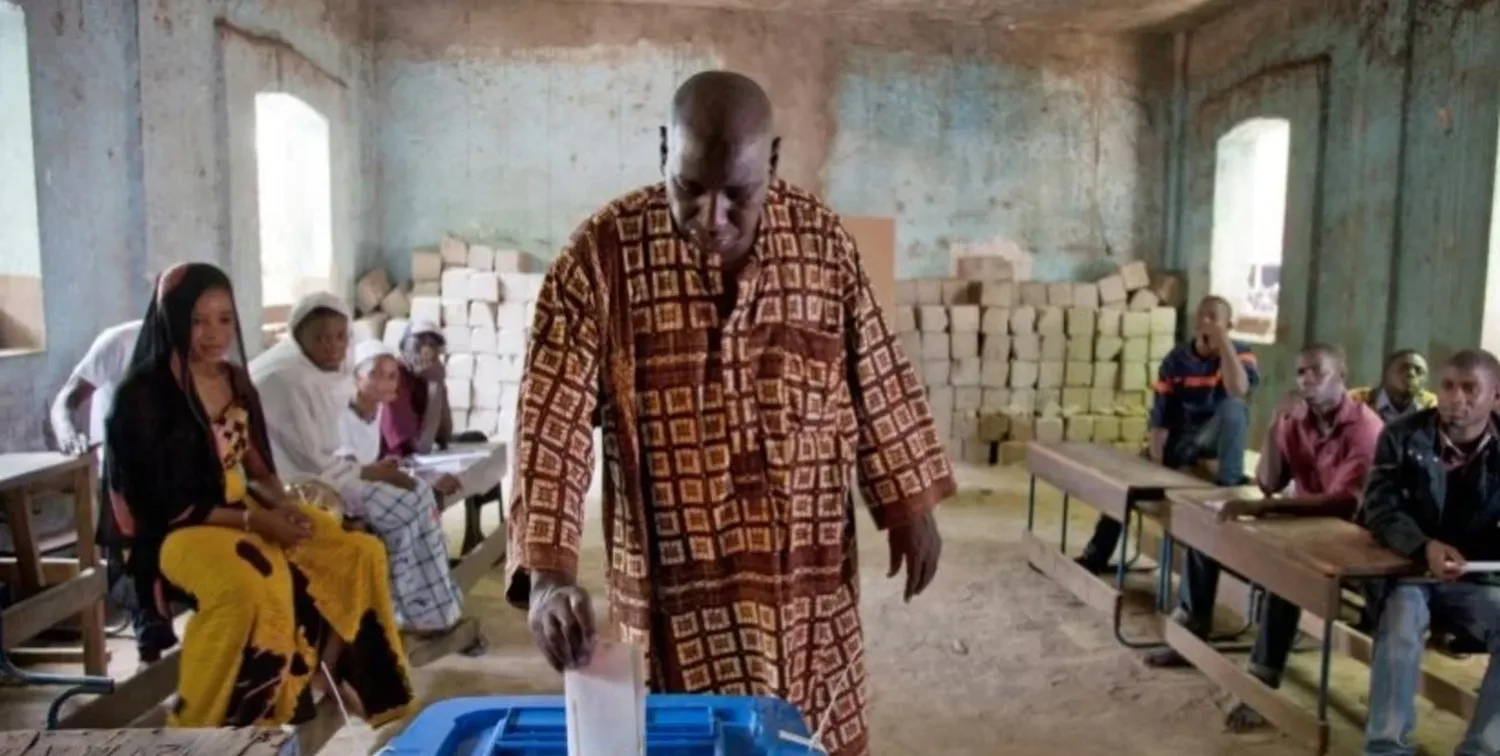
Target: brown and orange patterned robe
730, 446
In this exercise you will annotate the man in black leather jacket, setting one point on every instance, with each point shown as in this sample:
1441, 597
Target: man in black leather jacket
1433, 494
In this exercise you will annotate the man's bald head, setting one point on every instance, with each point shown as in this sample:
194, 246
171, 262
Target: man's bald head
719, 156
722, 104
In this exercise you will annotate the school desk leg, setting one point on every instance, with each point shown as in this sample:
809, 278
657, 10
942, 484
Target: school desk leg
1164, 574
1120, 570
1323, 673
1064, 545
1140, 528
1031, 505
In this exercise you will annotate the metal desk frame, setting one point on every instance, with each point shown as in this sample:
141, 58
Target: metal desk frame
1115, 498
1253, 550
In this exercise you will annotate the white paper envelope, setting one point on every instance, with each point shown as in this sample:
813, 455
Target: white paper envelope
606, 703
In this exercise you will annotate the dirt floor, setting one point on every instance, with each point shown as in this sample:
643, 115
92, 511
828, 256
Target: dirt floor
993, 659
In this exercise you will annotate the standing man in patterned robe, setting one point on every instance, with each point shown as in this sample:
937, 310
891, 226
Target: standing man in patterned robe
723, 324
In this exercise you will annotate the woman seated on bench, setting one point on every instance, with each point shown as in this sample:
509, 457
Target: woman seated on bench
376, 372
307, 392
196, 496
419, 419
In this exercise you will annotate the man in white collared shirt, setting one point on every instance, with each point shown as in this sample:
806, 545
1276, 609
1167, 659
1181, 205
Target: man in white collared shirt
93, 380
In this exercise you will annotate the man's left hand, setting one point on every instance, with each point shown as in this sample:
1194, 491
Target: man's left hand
918, 545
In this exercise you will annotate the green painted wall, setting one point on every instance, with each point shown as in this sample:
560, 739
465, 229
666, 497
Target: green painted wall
1395, 110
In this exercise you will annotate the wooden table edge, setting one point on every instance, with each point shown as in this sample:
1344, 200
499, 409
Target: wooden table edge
61, 465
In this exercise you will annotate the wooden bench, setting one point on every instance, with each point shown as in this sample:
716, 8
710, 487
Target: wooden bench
1118, 484
220, 742
141, 701
1305, 560
47, 591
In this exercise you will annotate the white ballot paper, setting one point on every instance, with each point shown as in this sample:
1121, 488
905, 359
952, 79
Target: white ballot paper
477, 469
1471, 567
449, 461
606, 703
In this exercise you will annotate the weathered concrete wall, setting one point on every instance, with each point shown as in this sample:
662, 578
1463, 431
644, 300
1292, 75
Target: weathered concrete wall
1401, 103
313, 48
513, 120
130, 109
86, 128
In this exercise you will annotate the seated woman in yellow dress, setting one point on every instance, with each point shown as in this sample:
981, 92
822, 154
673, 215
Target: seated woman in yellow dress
285, 598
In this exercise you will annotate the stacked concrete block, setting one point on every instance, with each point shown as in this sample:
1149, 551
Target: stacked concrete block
483, 299
1009, 361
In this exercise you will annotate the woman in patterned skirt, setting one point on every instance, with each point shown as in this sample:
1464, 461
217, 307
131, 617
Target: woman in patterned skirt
283, 595
427, 598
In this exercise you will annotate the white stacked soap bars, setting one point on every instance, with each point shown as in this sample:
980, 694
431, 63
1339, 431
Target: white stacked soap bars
483, 299
1006, 360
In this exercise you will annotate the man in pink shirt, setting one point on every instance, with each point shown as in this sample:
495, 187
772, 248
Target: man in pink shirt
1320, 444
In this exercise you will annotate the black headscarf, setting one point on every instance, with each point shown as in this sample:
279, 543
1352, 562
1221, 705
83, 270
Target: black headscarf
162, 466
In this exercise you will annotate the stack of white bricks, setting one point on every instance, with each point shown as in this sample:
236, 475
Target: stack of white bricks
1012, 361
483, 299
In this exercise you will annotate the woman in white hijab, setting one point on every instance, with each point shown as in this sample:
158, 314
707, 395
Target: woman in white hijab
306, 390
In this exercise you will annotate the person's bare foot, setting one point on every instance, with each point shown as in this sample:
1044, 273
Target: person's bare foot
352, 702
318, 684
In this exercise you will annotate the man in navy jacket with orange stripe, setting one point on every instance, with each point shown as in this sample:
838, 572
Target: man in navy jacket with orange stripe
1199, 411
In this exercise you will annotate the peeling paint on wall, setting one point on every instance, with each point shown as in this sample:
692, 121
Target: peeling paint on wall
511, 123
1401, 197
518, 153
1063, 165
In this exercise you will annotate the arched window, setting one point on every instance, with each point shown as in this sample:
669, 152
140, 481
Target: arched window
1249, 217
21, 326
295, 195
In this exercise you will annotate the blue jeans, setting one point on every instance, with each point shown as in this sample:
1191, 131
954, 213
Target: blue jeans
1222, 436
1400, 639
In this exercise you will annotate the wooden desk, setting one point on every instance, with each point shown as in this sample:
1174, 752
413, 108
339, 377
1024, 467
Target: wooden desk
478, 467
47, 591
1305, 560
1117, 483
1243, 502
1107, 478
219, 742
477, 475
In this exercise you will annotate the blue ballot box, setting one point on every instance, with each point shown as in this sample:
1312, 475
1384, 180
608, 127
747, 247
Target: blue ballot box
676, 725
